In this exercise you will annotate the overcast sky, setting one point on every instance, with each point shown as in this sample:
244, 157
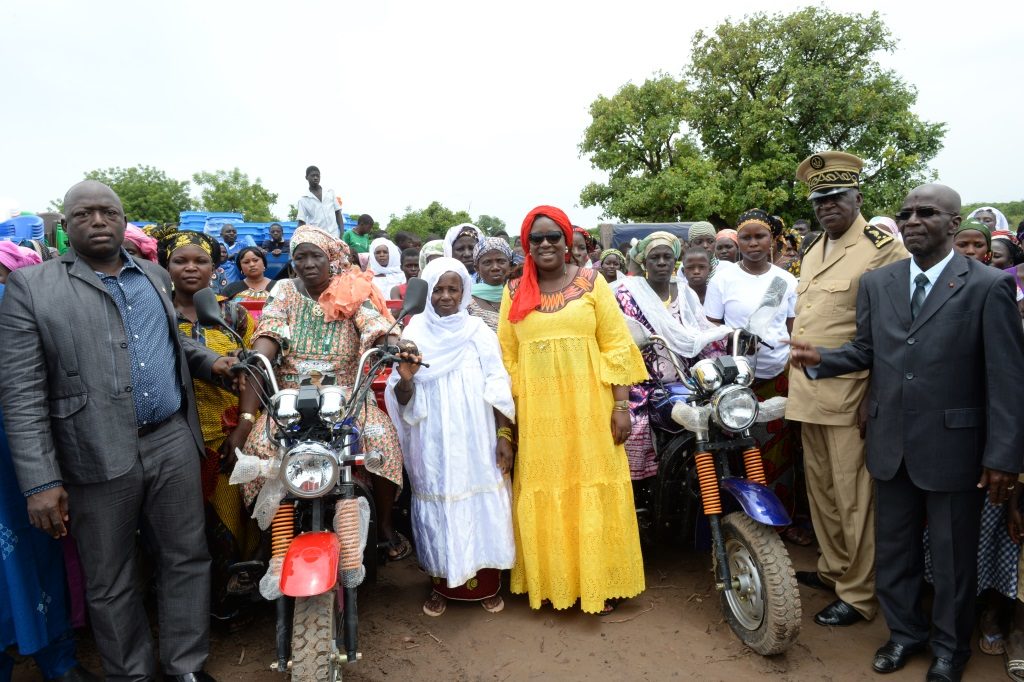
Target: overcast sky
478, 105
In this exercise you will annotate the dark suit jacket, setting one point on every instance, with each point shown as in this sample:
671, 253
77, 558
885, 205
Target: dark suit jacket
943, 387
65, 369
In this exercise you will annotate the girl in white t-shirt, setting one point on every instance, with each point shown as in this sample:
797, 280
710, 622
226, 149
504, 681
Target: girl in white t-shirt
737, 292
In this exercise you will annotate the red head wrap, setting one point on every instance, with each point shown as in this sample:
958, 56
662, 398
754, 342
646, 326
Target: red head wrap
528, 295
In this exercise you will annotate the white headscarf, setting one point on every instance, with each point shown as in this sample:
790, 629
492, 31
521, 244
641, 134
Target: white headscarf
387, 276
686, 337
442, 340
1001, 222
454, 232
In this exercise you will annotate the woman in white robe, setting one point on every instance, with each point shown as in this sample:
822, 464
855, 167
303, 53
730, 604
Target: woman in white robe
387, 274
449, 417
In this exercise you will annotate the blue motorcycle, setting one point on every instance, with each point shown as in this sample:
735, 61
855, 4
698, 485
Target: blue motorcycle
709, 463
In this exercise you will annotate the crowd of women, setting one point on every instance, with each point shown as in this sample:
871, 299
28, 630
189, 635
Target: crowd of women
523, 439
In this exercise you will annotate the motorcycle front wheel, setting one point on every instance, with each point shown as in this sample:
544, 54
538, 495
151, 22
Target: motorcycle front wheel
313, 648
763, 608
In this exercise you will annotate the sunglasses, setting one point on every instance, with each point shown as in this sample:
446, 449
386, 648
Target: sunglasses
921, 211
549, 237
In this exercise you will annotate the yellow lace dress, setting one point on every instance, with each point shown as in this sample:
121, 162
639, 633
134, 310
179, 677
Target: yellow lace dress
575, 525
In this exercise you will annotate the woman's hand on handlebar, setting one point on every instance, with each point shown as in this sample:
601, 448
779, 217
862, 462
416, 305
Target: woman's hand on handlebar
409, 353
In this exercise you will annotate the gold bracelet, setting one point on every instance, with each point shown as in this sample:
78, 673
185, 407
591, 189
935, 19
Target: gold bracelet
621, 406
506, 433
248, 416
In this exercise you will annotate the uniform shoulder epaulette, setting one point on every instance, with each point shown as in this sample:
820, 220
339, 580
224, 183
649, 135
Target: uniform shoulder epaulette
814, 240
877, 237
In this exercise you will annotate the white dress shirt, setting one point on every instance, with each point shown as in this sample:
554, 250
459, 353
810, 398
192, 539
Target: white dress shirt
320, 213
931, 273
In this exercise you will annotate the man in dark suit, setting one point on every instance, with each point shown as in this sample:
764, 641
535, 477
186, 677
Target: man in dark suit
103, 431
943, 340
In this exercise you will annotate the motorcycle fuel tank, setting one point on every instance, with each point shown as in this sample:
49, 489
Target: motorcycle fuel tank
662, 400
311, 564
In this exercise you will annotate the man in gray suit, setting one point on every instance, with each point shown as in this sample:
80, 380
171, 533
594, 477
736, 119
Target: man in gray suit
101, 420
943, 340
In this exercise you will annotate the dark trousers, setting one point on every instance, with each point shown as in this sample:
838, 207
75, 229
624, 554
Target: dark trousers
162, 496
954, 524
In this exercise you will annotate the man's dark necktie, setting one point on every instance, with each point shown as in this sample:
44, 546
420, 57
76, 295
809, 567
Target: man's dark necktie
917, 300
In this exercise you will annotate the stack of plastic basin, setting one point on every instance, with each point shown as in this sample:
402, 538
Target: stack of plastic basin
23, 227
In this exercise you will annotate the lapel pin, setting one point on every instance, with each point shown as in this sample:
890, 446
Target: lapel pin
951, 285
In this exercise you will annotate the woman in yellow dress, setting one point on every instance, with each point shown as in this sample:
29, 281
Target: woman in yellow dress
565, 344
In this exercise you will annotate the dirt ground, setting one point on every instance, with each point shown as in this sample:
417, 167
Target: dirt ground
674, 630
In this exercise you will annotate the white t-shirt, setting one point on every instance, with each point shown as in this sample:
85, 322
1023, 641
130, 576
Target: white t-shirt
733, 294
320, 213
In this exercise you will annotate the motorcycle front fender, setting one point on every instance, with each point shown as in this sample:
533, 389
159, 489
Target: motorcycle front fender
758, 501
311, 564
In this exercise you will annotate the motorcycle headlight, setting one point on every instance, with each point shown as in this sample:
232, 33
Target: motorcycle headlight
745, 375
309, 470
707, 376
734, 408
283, 404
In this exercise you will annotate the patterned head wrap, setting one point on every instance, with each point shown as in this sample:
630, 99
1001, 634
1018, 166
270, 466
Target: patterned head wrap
701, 228
435, 247
756, 216
490, 244
336, 250
611, 252
147, 245
793, 239
350, 288
655, 239
13, 256
175, 240
591, 244
528, 295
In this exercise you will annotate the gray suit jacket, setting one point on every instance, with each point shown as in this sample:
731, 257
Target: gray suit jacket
65, 374
943, 385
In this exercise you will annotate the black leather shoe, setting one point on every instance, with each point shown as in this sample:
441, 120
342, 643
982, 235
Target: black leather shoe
893, 656
838, 614
945, 670
76, 674
812, 579
199, 676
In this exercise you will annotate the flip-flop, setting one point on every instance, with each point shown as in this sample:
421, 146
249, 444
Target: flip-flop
435, 605
401, 546
992, 644
1014, 668
496, 606
609, 606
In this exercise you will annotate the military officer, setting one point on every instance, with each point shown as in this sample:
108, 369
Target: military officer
839, 487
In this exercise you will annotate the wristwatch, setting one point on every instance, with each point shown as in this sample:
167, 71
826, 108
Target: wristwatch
248, 416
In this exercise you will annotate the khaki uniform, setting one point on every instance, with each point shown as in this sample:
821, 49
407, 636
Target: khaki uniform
839, 487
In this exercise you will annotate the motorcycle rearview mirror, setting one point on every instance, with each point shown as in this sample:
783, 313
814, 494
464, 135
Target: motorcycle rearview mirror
208, 312
415, 300
762, 316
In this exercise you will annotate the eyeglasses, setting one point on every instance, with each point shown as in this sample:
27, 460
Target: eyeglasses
921, 211
549, 237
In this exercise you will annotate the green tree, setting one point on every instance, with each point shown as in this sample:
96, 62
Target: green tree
759, 96
491, 225
231, 191
656, 171
146, 193
434, 219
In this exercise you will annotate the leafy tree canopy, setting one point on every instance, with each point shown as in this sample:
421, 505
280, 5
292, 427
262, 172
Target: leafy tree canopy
231, 191
434, 219
491, 225
758, 97
146, 193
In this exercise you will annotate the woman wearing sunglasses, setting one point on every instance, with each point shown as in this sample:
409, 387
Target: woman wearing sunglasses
566, 346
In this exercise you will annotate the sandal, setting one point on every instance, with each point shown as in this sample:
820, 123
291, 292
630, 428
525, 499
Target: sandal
493, 604
400, 548
1014, 657
435, 605
992, 644
609, 606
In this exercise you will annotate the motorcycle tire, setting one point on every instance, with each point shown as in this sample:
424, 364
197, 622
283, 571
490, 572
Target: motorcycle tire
765, 611
314, 625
